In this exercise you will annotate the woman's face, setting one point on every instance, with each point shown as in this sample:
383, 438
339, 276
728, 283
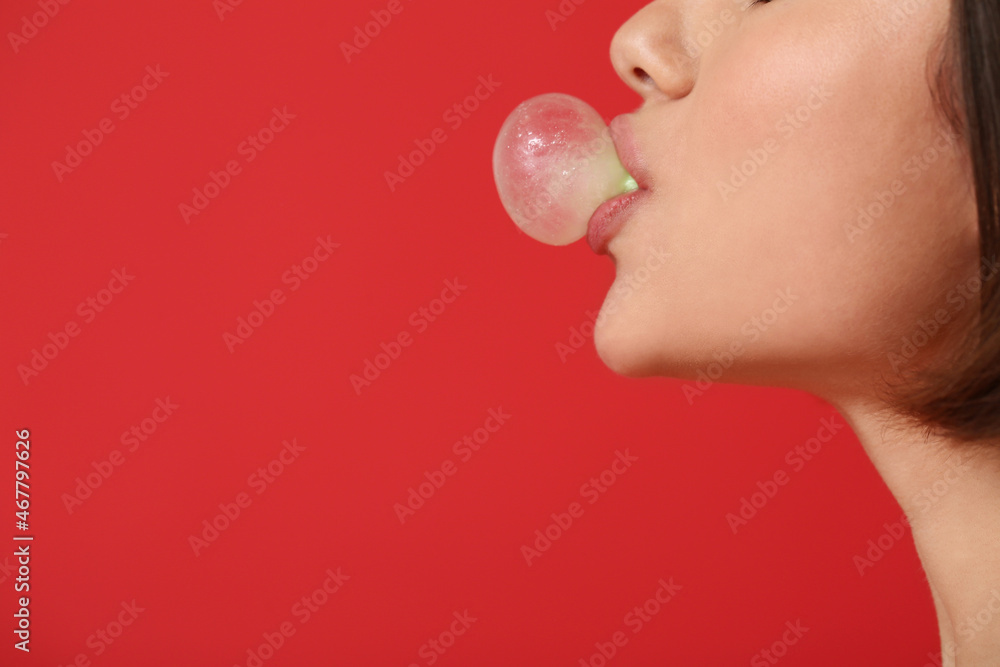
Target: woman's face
810, 195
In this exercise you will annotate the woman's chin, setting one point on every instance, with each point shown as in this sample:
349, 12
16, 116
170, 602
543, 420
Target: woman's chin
625, 350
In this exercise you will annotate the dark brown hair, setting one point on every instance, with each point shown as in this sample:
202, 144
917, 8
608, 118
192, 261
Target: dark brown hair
963, 399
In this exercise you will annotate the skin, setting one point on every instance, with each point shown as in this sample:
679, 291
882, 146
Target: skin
857, 78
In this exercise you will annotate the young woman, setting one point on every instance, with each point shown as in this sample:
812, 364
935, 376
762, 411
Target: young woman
824, 176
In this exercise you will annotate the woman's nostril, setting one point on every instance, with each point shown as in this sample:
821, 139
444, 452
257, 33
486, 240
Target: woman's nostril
641, 74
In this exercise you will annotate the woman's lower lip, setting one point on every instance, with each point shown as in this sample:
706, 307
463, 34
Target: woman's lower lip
609, 218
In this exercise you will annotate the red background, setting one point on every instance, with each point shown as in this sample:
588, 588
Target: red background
495, 346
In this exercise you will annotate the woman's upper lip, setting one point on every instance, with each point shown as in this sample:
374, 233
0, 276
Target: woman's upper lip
631, 158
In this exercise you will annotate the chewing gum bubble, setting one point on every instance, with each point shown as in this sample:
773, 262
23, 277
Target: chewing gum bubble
554, 164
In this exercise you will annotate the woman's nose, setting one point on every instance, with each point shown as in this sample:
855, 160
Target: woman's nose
649, 55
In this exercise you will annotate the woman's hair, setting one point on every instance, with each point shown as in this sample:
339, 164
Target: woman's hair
963, 399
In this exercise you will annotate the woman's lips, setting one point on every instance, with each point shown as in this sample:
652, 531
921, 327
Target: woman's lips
610, 216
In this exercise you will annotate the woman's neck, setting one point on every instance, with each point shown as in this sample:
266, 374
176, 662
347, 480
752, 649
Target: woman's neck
950, 493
